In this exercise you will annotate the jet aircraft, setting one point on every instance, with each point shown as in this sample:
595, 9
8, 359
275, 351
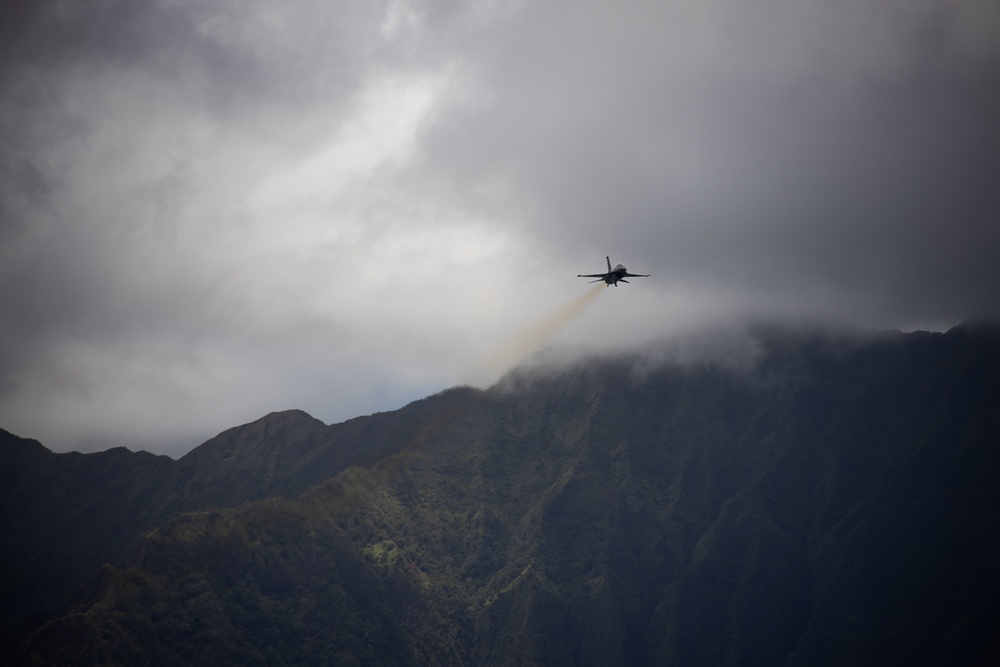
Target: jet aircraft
613, 276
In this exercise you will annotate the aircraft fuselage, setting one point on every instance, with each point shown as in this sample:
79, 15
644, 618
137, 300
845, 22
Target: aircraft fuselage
613, 276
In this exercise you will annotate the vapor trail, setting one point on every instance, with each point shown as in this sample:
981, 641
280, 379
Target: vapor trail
510, 353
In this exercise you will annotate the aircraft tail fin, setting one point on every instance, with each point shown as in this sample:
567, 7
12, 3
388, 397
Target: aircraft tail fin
608, 257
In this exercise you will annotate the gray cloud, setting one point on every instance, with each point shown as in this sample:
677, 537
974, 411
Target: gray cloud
844, 150
212, 211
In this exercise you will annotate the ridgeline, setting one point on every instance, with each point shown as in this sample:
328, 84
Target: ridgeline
836, 501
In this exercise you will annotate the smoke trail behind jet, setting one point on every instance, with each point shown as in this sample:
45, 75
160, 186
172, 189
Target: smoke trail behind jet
357, 484
510, 353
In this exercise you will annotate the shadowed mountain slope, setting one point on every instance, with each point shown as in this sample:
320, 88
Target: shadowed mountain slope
287, 452
61, 516
837, 502
65, 515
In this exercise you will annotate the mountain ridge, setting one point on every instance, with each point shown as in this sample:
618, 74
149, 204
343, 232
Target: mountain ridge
123, 494
616, 513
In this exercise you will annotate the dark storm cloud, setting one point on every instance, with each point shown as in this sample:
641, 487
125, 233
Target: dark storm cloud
219, 209
842, 155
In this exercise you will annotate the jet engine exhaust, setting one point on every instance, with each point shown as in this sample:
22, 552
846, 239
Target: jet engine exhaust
511, 353
356, 484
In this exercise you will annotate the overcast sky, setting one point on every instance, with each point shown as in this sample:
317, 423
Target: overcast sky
213, 210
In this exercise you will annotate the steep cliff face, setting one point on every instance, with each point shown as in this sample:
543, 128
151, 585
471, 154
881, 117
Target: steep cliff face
837, 501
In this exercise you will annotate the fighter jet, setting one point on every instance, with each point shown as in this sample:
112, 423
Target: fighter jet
613, 276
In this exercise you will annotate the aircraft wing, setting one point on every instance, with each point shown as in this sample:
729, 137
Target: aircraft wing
591, 275
636, 275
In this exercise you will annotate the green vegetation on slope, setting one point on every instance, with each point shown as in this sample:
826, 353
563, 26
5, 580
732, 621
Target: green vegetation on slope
836, 504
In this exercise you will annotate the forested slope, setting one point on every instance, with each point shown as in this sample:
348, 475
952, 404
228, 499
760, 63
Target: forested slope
834, 502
